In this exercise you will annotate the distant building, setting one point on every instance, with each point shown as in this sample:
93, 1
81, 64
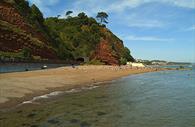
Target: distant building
139, 60
159, 63
135, 64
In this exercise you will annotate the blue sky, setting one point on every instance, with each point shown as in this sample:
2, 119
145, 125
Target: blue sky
151, 29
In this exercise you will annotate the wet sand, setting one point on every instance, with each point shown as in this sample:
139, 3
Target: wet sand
20, 86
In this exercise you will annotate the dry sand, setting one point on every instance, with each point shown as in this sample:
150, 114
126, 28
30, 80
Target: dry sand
18, 86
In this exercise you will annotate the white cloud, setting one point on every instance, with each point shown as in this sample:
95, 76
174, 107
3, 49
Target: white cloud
188, 29
147, 23
44, 2
90, 7
93, 6
182, 3
44, 5
121, 5
191, 28
146, 38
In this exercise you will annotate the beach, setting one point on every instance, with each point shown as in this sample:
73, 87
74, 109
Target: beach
17, 87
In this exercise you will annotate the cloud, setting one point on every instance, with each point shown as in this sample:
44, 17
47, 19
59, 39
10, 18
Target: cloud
44, 5
147, 23
119, 7
146, 38
91, 7
182, 3
122, 5
44, 2
192, 28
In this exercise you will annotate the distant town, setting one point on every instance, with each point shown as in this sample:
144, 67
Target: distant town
160, 62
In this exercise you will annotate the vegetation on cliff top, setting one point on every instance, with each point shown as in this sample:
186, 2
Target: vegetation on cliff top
73, 37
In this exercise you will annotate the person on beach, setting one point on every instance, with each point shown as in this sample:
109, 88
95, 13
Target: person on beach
73, 66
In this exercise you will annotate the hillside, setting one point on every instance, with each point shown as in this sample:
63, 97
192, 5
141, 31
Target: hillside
19, 37
25, 34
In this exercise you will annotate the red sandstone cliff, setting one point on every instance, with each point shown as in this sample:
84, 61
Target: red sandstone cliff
16, 33
105, 54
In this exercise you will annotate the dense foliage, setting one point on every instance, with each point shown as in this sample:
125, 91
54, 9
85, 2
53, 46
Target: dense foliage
79, 35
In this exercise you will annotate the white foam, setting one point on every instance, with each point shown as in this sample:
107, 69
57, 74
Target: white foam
73, 91
89, 88
42, 97
27, 102
56, 93
46, 96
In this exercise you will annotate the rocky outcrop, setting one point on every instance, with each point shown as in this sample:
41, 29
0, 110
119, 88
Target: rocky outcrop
15, 40
105, 53
9, 14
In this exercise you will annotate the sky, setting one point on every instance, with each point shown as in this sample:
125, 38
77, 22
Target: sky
151, 29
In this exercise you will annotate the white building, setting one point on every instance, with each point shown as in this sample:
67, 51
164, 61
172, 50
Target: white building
135, 64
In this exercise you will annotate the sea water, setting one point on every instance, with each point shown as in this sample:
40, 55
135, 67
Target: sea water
157, 99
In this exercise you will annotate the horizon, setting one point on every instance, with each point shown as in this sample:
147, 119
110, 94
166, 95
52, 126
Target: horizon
151, 30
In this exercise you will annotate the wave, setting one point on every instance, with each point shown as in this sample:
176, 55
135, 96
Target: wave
56, 93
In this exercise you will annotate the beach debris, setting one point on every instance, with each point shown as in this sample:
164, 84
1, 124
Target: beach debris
73, 66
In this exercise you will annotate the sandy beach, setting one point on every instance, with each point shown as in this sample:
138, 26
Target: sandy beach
20, 86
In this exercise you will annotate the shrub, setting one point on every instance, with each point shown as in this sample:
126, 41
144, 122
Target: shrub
95, 62
26, 52
36, 57
123, 61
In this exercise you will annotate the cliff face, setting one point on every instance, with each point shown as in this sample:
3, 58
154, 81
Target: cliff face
11, 41
11, 15
104, 53
110, 48
17, 33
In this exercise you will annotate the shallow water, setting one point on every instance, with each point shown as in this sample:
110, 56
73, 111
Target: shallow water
158, 99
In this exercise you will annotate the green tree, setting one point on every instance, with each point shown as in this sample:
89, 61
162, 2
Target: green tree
63, 52
82, 15
127, 54
123, 61
68, 13
36, 13
27, 53
102, 17
58, 16
22, 5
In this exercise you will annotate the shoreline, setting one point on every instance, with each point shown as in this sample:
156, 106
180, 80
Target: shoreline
18, 87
